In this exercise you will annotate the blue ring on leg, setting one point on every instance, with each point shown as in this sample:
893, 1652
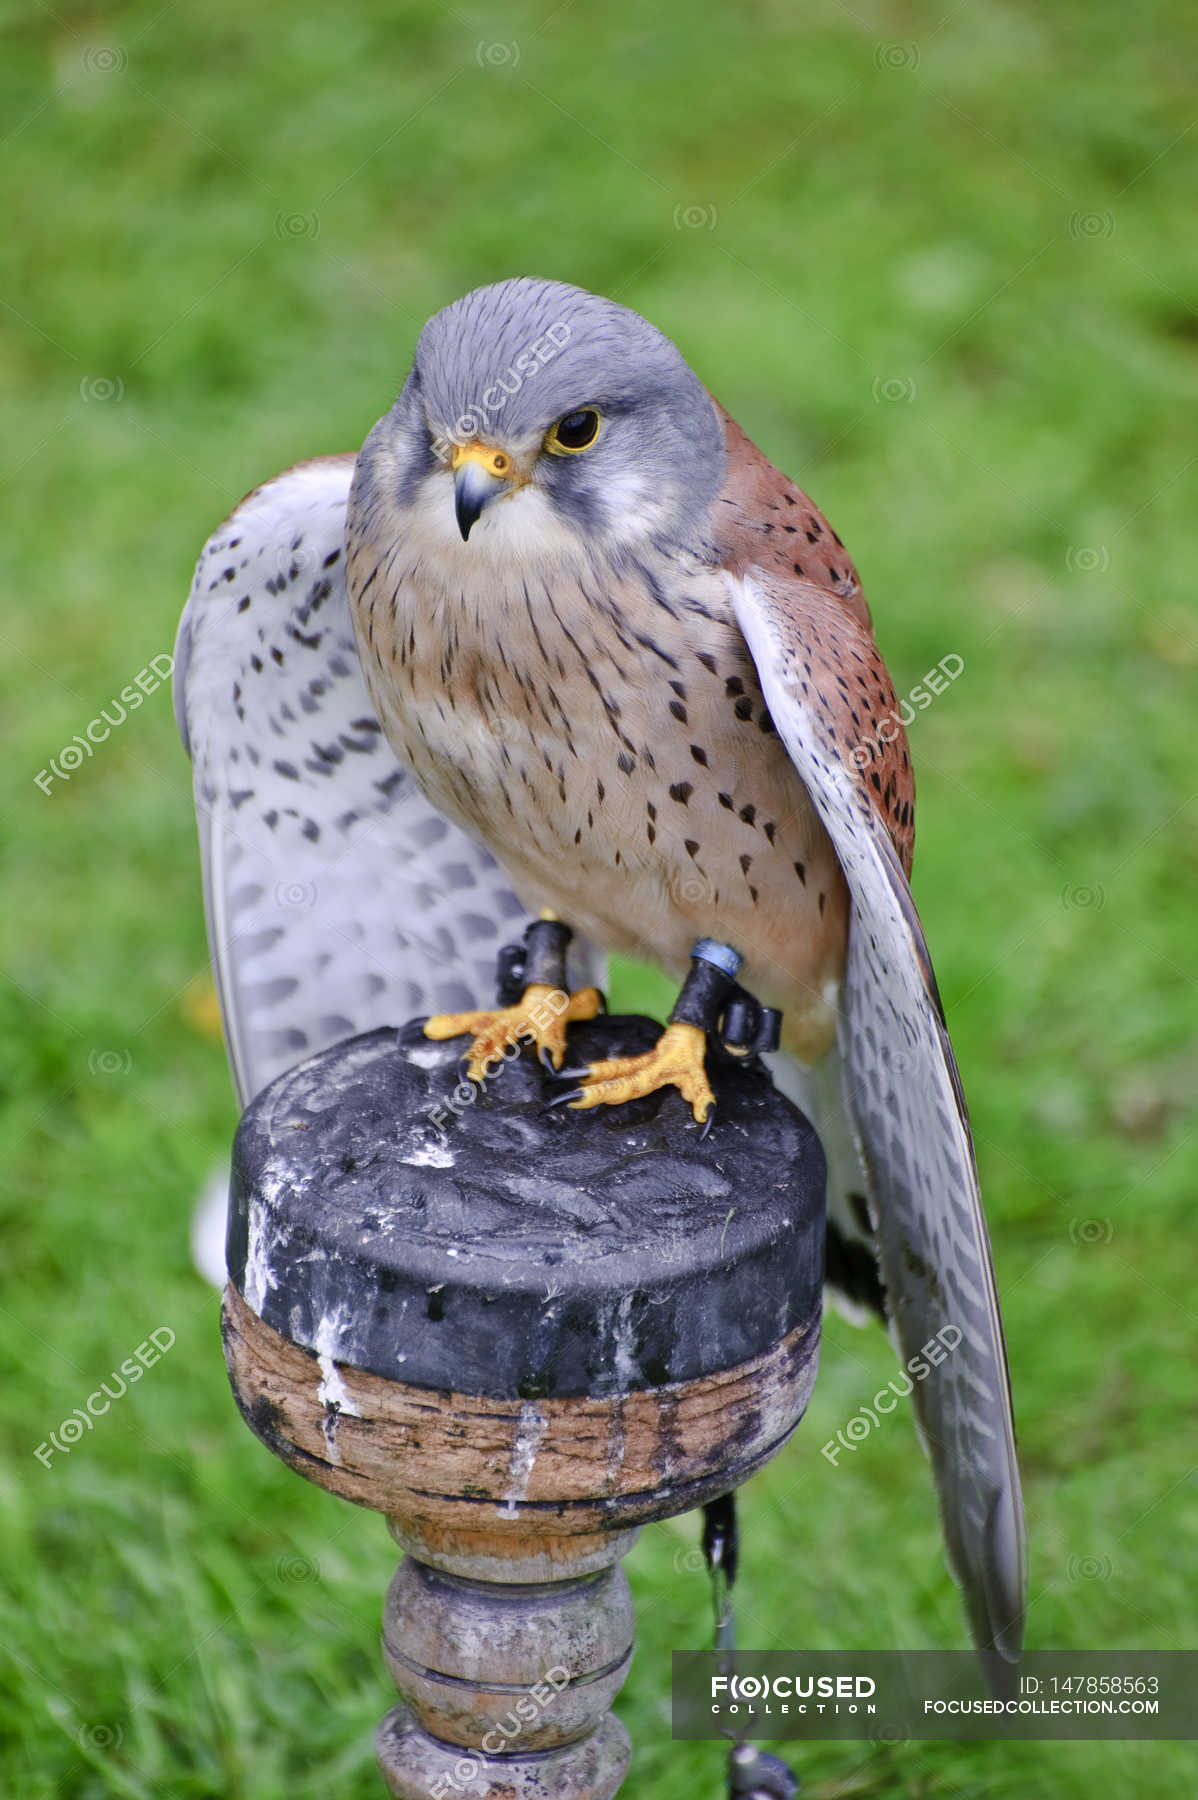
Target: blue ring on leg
722, 955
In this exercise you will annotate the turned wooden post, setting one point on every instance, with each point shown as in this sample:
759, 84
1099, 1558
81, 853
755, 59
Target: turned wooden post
519, 1334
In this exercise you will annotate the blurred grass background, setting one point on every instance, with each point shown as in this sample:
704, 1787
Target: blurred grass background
939, 260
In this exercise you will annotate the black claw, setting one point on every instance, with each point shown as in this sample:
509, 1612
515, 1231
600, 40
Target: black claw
708, 1122
564, 1099
571, 1074
545, 1058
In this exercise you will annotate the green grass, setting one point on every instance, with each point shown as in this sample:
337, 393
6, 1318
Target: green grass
943, 269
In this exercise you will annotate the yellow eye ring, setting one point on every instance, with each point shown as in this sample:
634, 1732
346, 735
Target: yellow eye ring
574, 432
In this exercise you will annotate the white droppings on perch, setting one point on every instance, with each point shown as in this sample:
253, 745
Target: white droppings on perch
257, 1263
332, 1392
530, 1433
426, 1054
625, 1342
427, 1156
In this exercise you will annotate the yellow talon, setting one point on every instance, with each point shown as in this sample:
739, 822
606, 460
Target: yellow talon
539, 1018
676, 1060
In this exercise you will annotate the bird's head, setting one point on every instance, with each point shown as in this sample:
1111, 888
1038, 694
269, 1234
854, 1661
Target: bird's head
533, 410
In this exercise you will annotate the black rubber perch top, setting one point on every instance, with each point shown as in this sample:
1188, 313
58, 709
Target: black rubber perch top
388, 1214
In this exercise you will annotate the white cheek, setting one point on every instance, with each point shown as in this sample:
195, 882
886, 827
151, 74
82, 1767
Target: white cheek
634, 510
520, 530
525, 524
521, 525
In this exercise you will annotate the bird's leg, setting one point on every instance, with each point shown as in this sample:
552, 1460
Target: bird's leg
677, 1059
539, 1017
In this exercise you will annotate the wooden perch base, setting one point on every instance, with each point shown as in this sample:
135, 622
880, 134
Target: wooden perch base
519, 1346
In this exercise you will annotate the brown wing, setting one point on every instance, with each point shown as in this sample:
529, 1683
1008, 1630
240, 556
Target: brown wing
765, 521
827, 692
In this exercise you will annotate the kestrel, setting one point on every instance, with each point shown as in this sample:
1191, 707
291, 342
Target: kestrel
561, 639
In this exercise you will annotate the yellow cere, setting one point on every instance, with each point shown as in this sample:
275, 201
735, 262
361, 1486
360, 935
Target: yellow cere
495, 462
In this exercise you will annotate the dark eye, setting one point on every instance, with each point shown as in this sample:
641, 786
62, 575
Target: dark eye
576, 431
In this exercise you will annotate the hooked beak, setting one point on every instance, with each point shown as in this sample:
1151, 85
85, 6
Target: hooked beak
480, 474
